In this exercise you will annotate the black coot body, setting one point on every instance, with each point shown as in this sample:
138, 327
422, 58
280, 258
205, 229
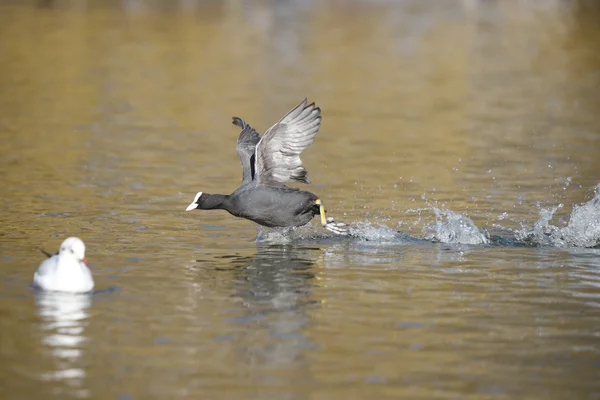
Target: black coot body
274, 207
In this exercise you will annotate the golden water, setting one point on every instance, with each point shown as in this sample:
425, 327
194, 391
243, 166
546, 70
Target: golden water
114, 114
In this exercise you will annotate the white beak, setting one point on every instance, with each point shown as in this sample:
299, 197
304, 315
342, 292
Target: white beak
194, 203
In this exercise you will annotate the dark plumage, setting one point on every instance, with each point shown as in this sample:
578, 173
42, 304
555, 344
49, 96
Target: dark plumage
267, 164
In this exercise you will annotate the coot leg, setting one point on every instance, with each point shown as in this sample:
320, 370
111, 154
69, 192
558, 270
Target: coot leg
321, 211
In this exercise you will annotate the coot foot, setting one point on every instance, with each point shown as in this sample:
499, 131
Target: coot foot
339, 228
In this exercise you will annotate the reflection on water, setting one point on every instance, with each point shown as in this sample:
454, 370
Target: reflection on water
64, 319
275, 287
465, 122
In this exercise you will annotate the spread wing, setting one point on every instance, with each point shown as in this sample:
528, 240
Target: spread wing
278, 152
246, 144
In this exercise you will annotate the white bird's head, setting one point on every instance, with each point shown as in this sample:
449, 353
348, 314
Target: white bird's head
75, 247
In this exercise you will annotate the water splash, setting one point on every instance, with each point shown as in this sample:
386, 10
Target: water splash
284, 235
453, 227
582, 229
373, 232
362, 230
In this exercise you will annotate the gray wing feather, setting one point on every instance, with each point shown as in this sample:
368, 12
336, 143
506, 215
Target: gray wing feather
246, 145
278, 152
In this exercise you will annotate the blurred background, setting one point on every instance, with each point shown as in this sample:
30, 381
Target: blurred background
482, 102
113, 114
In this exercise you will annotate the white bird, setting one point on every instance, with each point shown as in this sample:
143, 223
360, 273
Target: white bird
66, 271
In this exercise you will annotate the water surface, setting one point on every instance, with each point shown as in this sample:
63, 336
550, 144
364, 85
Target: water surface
447, 121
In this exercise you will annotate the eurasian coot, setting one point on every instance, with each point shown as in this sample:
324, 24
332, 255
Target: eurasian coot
267, 164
